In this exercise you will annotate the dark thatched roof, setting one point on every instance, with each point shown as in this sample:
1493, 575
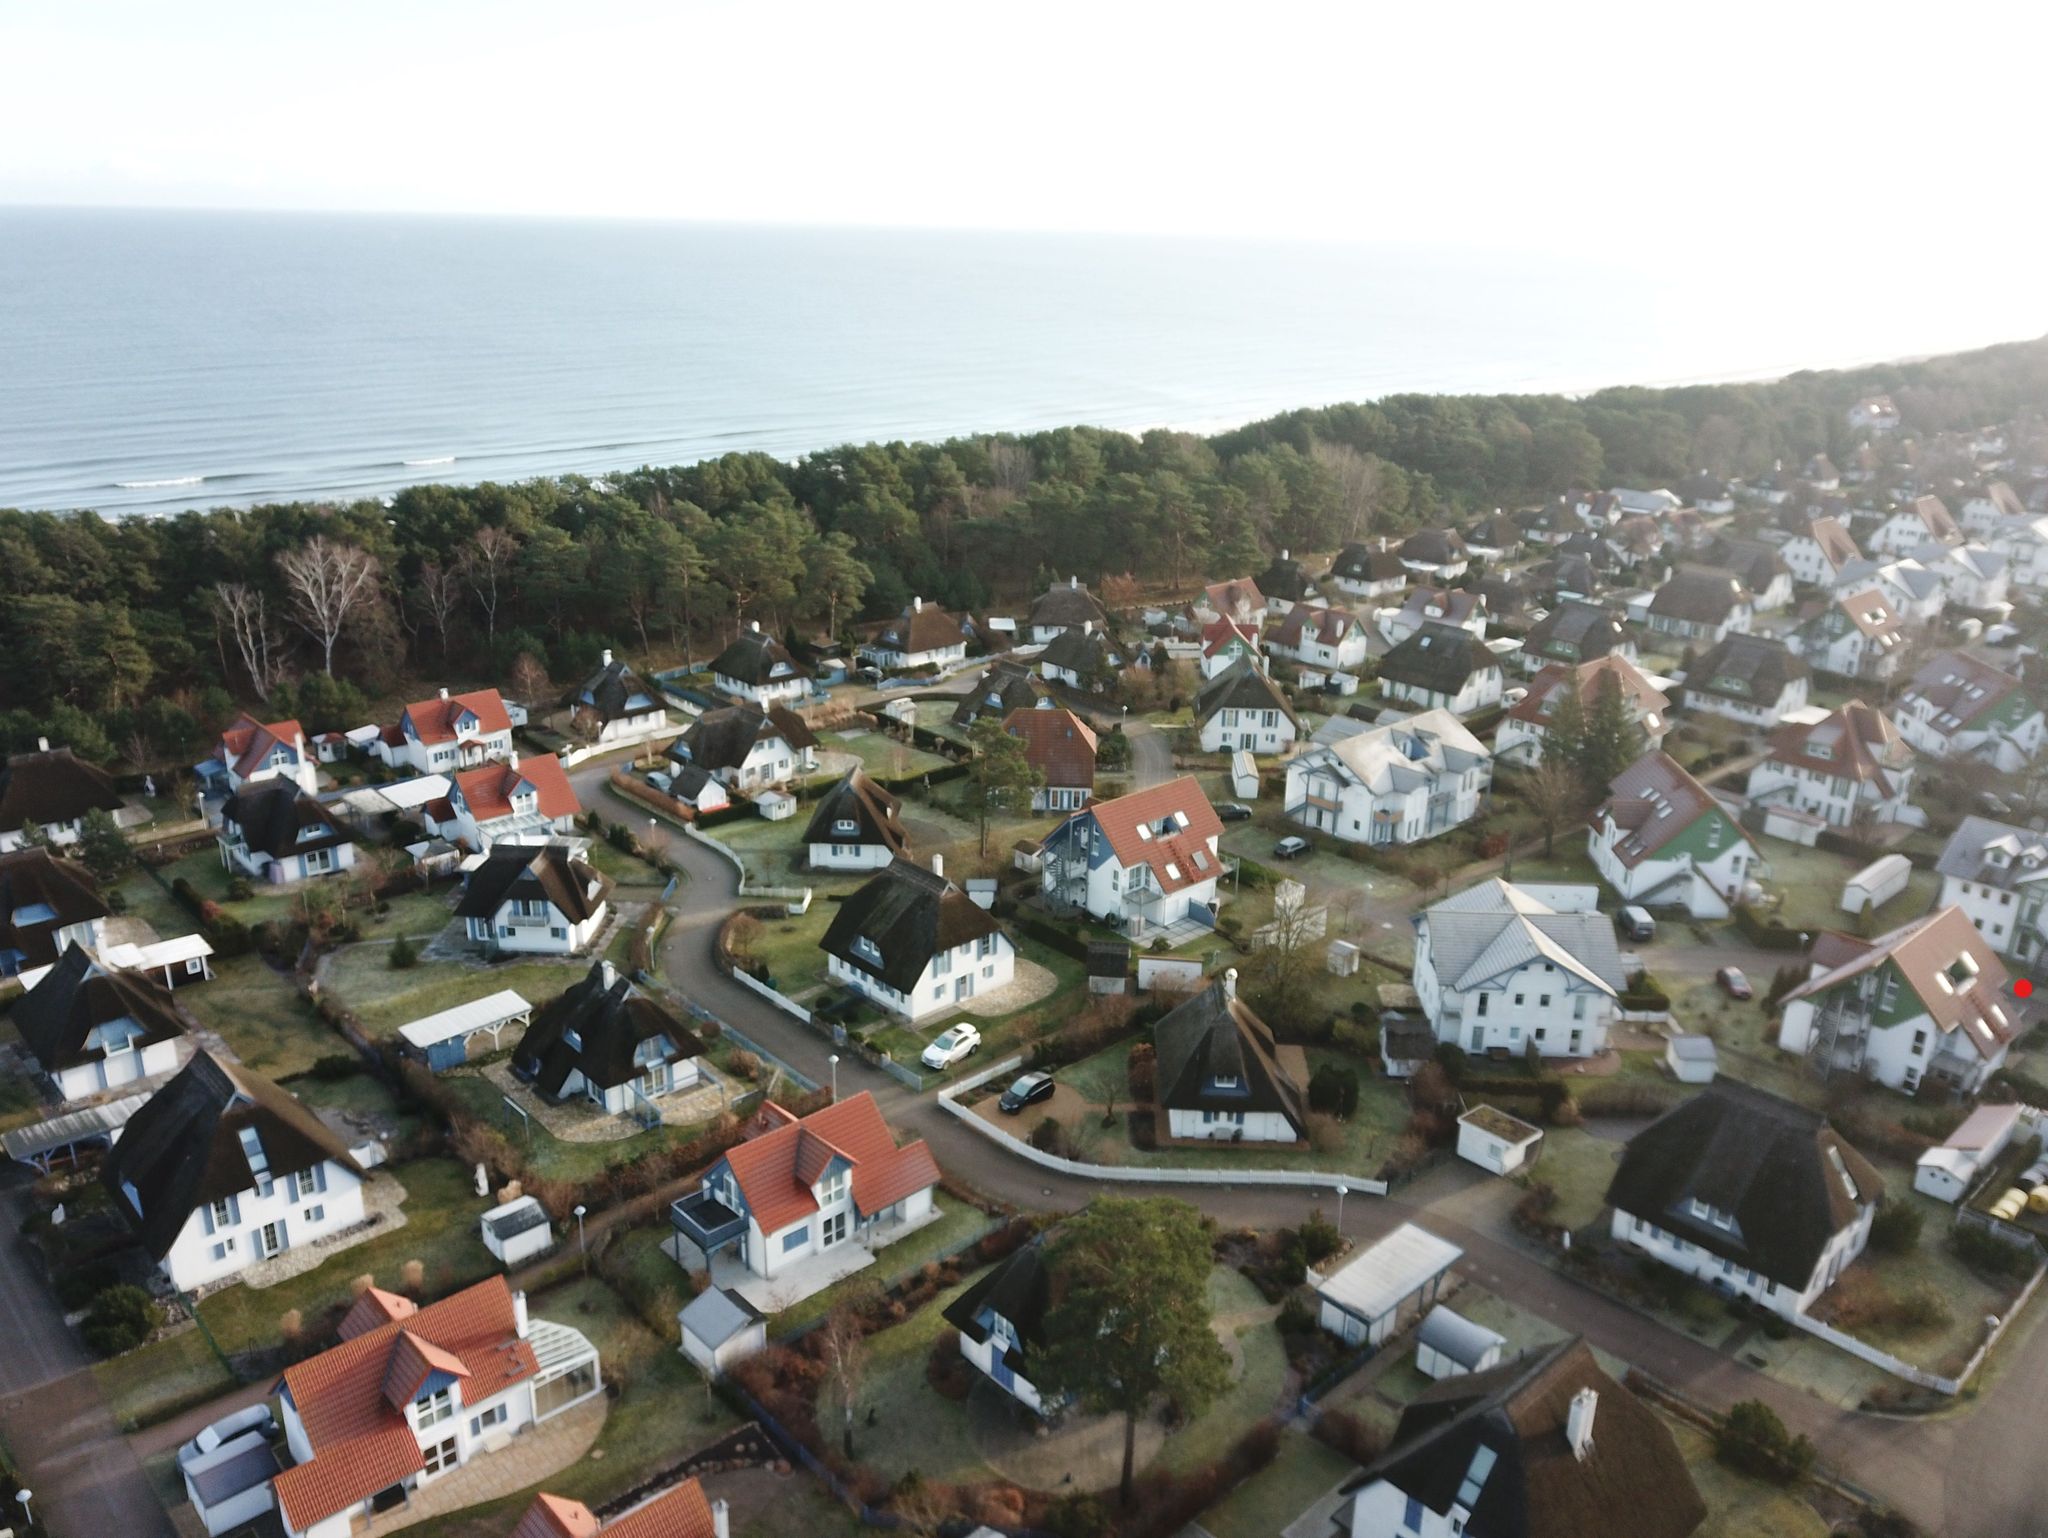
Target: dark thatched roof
554, 871
39, 895
58, 1016
595, 1027
52, 786
1018, 1290
1213, 1036
1439, 658
276, 818
909, 914
871, 810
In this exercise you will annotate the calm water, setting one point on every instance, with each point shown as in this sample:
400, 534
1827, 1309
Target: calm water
156, 361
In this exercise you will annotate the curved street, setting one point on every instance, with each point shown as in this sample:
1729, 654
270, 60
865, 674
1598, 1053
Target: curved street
1965, 1475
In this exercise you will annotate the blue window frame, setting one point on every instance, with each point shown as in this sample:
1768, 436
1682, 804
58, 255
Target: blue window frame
1411, 1520
796, 1238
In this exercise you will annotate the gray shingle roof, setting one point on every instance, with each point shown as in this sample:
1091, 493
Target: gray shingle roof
1747, 668
1439, 658
1241, 686
1492, 928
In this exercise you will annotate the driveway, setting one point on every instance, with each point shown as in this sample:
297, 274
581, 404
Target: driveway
86, 1479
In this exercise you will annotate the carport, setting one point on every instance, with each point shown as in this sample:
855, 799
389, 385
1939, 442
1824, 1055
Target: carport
1373, 1294
58, 1140
443, 1039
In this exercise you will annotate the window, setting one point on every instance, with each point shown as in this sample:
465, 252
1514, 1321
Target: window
316, 1214
432, 1409
832, 1188
1519, 998
796, 1238
1482, 1002
1543, 1000
440, 1457
1411, 1519
224, 1213
496, 1415
224, 1249
835, 1228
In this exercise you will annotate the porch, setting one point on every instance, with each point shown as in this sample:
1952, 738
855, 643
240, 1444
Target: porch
794, 1280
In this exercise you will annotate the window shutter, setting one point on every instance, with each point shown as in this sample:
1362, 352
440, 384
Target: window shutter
235, 1210
206, 1216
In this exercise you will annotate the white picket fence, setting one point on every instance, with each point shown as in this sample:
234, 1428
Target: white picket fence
1886, 1362
796, 899
1137, 1173
780, 1000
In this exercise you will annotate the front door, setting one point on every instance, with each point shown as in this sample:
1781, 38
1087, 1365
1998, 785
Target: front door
835, 1228
963, 986
270, 1239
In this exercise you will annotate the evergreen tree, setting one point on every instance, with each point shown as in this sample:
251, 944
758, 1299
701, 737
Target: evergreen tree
1612, 739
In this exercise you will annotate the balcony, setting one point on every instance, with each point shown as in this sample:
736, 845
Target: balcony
706, 1221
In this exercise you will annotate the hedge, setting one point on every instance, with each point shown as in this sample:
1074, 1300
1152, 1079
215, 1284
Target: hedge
1063, 940
1767, 934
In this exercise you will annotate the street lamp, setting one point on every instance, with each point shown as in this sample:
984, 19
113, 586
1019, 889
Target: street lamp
23, 1497
1341, 1189
581, 1248
834, 1060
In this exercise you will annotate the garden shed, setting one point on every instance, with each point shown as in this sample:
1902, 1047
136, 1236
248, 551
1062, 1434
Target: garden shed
443, 1039
1492, 1139
1691, 1059
1376, 1291
1449, 1345
517, 1231
719, 1327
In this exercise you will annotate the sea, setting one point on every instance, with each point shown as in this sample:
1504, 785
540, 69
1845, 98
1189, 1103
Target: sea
152, 361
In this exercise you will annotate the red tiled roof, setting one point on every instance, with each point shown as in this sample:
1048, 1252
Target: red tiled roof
361, 1442
1861, 744
1057, 743
1548, 687
1186, 851
1238, 593
413, 1361
434, 720
375, 1307
1218, 634
556, 1516
1944, 960
770, 1169
246, 743
679, 1513
1331, 625
488, 789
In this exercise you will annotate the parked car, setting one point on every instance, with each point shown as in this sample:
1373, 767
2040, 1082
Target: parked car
256, 1417
1234, 811
1636, 924
1291, 847
1514, 696
951, 1045
1029, 1090
1734, 984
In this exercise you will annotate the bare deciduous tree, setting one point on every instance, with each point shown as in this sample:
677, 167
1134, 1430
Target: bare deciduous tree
1551, 792
242, 609
529, 679
436, 595
329, 584
842, 1347
1358, 478
486, 564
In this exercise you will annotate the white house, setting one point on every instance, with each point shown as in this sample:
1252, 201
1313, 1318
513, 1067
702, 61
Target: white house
524, 803
1858, 635
536, 899
1990, 506
1760, 568
915, 943
1500, 966
1436, 555
1236, 601
604, 1041
1575, 632
2024, 544
1082, 657
1998, 875
759, 669
220, 1169
1001, 1320
1913, 590
1919, 521
1546, 1445
1367, 571
1660, 839
92, 1027
1441, 667
1062, 607
856, 826
1874, 414
1318, 637
47, 905
1972, 576
1225, 641
1849, 768
1925, 999
451, 732
1061, 747
1700, 604
1961, 706
1147, 861
1285, 583
1813, 558
615, 707
1947, 1172
748, 748
48, 793
413, 1393
1433, 606
922, 636
1392, 784
273, 831
806, 1186
252, 751
1241, 709
1755, 1196
720, 1327
1525, 726
1221, 1077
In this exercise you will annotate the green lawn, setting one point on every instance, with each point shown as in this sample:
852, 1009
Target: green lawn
1811, 883
883, 757
1737, 1506
553, 1157
1253, 1394
362, 1096
1301, 1473
261, 1016
148, 1384
623, 868
1578, 1166
915, 1428
788, 946
203, 869
362, 978
156, 907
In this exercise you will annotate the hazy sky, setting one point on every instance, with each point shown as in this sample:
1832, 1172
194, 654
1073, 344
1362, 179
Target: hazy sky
1663, 129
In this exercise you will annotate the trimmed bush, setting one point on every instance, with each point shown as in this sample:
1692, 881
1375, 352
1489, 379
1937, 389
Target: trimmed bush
1752, 1440
1896, 1228
120, 1319
404, 954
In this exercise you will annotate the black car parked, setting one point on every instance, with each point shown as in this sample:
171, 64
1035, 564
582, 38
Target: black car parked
1029, 1090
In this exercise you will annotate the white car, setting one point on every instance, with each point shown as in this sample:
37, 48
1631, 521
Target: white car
951, 1045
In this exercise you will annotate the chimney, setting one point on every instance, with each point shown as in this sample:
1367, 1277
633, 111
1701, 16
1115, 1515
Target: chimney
1578, 1425
607, 657
42, 744
1073, 582
1283, 555
1087, 627
754, 625
606, 975
720, 1520
444, 692
938, 865
917, 606
519, 1314
1230, 983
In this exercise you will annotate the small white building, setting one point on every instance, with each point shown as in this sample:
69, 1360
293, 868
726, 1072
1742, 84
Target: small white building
856, 826
719, 1327
1241, 710
614, 707
1660, 838
1145, 861
517, 1231
922, 636
1946, 1173
1222, 1077
1442, 667
1998, 875
1318, 637
1495, 1141
252, 751
1448, 1345
1384, 1285
1692, 1059
1001, 1320
1876, 884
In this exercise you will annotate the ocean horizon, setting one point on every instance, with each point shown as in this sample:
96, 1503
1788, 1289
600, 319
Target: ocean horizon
152, 361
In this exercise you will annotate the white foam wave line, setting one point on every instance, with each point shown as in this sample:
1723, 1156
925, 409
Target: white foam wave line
442, 459
176, 480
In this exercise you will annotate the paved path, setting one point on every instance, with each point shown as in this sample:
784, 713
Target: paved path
1151, 755
86, 1479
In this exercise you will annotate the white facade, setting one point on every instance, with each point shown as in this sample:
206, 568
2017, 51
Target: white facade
1834, 799
117, 1065
225, 1237
951, 977
1698, 873
988, 1354
1232, 1126
533, 926
1530, 988
1791, 697
1482, 687
1493, 1148
1393, 784
1344, 653
1724, 1275
835, 1222
1972, 576
771, 761
851, 853
471, 745
1254, 731
330, 860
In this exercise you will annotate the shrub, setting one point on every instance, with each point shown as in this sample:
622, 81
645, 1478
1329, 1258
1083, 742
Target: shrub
120, 1319
1753, 1440
1048, 1135
335, 1066
404, 954
1319, 1237
1334, 1091
78, 1285
1450, 1057
1356, 1439
1896, 1228
1296, 1317
1984, 1249
239, 890
745, 1065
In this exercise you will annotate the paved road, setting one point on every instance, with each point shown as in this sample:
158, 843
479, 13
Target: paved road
1915, 1464
1151, 755
87, 1481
